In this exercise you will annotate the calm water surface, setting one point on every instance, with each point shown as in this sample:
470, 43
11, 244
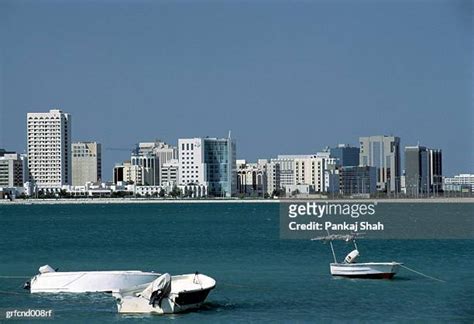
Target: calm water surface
259, 277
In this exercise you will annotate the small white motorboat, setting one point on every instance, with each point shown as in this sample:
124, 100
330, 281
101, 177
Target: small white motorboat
369, 270
166, 295
351, 269
52, 281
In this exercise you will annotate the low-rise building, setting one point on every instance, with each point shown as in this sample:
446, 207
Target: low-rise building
170, 173
462, 182
126, 172
252, 178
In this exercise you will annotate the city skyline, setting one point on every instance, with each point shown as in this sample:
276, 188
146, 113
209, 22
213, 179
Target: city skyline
129, 152
291, 80
199, 167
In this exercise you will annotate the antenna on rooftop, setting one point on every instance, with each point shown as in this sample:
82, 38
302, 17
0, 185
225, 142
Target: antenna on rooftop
229, 134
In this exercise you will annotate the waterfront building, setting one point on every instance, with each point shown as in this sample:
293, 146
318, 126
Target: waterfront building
210, 162
220, 164
118, 173
129, 173
309, 170
163, 153
170, 172
332, 176
306, 170
49, 148
287, 171
148, 164
12, 169
383, 153
436, 170
423, 170
299, 190
252, 178
86, 163
273, 175
283, 172
191, 161
345, 154
416, 170
358, 180
462, 182
193, 190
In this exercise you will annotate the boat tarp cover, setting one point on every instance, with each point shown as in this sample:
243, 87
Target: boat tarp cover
158, 289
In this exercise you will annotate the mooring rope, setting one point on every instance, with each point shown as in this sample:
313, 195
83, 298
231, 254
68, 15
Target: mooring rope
15, 277
421, 274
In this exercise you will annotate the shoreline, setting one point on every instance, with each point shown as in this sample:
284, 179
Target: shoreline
83, 201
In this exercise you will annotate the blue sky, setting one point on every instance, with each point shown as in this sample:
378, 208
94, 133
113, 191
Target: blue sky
285, 77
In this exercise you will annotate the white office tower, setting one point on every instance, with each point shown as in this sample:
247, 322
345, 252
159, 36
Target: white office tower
49, 149
191, 161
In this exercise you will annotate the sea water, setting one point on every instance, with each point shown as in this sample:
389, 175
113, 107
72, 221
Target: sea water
260, 277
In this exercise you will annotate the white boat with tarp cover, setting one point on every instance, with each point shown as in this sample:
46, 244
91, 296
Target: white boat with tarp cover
51, 280
166, 295
352, 269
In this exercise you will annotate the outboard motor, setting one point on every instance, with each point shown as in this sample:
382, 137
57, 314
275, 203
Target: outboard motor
351, 257
158, 289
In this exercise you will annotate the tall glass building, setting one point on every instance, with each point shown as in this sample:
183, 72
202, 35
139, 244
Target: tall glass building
220, 166
423, 170
347, 155
382, 152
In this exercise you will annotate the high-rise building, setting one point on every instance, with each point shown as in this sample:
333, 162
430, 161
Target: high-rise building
210, 162
86, 163
220, 165
49, 148
12, 167
345, 154
163, 153
436, 170
423, 170
416, 170
382, 152
191, 161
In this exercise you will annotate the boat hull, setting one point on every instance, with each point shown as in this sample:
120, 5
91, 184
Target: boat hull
186, 294
370, 270
89, 281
